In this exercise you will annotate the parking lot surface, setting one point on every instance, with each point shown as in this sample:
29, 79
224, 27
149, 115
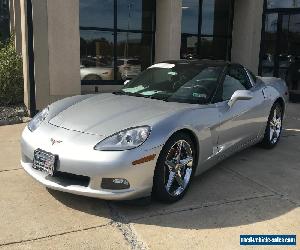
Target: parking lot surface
254, 192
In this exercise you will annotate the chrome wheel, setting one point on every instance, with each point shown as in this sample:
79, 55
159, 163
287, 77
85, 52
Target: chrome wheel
178, 168
275, 126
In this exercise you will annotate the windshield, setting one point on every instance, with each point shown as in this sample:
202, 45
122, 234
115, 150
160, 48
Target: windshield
182, 82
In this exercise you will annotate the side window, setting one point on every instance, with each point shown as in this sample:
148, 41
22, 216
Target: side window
235, 79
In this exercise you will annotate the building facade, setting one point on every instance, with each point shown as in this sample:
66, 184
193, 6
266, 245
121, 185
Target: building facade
75, 47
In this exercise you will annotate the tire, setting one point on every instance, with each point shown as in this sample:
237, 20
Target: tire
274, 127
172, 177
92, 77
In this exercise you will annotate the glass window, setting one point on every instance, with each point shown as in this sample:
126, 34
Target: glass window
190, 16
272, 4
235, 79
271, 25
216, 17
214, 47
213, 39
208, 17
135, 14
96, 55
108, 50
96, 14
269, 41
289, 43
4, 20
280, 43
280, 46
231, 85
189, 44
135, 50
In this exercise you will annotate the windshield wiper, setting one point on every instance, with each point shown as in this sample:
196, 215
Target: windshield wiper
120, 92
157, 98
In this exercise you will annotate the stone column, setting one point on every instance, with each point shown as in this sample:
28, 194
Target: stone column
41, 53
168, 30
56, 45
64, 48
246, 35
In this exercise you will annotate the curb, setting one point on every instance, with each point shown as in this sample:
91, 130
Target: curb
14, 121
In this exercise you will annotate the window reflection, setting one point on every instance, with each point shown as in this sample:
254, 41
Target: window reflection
135, 14
116, 39
95, 13
190, 16
216, 17
289, 44
280, 55
189, 44
271, 23
4, 20
269, 44
214, 47
133, 54
280, 48
213, 39
272, 4
96, 50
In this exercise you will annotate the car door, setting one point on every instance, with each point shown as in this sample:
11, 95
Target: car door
241, 123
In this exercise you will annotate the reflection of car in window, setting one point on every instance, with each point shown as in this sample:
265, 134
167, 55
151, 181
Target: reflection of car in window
101, 69
285, 60
96, 69
96, 73
129, 68
268, 60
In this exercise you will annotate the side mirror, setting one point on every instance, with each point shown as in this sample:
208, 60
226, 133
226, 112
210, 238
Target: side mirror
126, 82
240, 95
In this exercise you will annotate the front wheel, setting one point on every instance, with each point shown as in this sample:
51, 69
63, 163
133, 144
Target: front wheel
175, 168
274, 127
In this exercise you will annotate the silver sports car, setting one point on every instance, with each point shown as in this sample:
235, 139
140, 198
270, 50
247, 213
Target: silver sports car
173, 121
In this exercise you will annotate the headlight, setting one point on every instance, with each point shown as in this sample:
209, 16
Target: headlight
38, 119
125, 140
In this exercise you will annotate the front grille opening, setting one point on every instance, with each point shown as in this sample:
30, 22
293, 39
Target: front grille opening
67, 179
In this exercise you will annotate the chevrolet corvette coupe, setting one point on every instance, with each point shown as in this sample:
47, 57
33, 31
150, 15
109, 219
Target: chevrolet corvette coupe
172, 122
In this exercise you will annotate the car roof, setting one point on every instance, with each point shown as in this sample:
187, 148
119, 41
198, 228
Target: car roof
200, 62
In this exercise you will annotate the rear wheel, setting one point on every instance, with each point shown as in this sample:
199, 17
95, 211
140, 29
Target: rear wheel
274, 127
92, 77
175, 168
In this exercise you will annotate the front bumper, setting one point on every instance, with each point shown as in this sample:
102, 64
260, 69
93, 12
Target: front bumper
77, 157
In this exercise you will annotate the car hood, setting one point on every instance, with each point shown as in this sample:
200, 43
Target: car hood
106, 114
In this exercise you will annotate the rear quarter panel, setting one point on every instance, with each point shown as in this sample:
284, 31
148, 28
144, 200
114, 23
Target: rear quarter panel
275, 88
